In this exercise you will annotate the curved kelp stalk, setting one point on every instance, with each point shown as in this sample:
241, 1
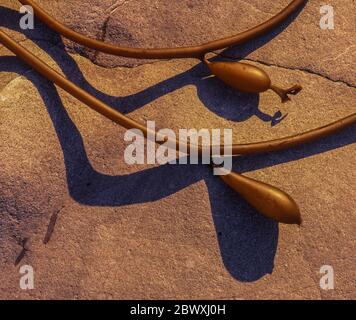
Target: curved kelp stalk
268, 200
198, 51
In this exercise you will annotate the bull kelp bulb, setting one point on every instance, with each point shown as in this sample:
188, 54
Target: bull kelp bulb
247, 78
270, 201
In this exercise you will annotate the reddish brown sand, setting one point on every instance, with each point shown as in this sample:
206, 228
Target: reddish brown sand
99, 228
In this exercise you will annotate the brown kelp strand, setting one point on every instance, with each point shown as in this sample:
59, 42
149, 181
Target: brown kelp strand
270, 201
197, 51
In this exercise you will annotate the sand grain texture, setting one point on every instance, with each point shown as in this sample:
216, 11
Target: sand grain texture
98, 228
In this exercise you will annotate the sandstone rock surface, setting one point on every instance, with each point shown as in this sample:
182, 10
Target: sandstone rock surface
94, 227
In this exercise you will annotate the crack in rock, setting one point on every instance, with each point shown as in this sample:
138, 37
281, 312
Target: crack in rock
116, 6
306, 70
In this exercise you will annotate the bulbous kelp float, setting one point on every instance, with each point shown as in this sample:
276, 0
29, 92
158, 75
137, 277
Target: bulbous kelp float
248, 78
268, 200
